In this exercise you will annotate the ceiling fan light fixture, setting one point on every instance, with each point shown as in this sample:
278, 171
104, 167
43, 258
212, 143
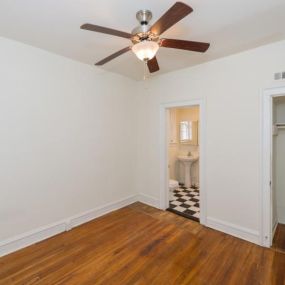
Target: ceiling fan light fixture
145, 50
145, 38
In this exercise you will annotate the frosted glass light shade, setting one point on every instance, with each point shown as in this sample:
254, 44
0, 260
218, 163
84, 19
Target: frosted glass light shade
145, 50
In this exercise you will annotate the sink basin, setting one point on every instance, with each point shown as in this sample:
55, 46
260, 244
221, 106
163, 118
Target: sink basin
188, 158
187, 162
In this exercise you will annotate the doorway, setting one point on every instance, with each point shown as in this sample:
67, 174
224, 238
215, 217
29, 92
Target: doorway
183, 162
273, 179
278, 178
182, 159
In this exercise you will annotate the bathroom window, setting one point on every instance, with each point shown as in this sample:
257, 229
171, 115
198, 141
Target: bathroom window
185, 131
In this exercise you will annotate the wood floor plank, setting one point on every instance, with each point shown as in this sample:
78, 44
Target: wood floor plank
142, 245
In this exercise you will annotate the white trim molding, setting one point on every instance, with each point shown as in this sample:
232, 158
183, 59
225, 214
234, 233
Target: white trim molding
266, 227
87, 216
149, 200
31, 237
42, 233
234, 230
164, 192
274, 228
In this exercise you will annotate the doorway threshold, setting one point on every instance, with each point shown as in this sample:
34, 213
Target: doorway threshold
183, 215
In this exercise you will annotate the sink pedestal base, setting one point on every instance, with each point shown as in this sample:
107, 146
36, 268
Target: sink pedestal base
187, 162
187, 170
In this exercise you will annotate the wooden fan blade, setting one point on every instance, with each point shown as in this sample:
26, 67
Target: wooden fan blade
112, 56
153, 65
176, 13
186, 45
104, 30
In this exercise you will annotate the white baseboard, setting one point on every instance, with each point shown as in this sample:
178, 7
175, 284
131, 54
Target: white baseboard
234, 230
87, 216
29, 238
151, 201
274, 229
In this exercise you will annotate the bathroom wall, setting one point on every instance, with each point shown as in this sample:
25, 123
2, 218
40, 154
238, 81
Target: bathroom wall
279, 162
173, 140
172, 161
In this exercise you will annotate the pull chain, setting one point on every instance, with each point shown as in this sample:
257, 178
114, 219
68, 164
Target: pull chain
144, 70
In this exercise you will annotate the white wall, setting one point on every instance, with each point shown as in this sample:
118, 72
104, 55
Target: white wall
279, 159
231, 87
68, 138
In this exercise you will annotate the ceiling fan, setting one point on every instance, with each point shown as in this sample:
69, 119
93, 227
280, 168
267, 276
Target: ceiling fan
145, 37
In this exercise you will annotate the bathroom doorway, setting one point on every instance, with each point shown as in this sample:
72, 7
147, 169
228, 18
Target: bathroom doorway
182, 162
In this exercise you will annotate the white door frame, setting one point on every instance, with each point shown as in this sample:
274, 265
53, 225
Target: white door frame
164, 176
266, 162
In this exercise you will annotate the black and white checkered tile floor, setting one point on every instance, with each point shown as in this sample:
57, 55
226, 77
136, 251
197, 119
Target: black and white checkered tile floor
186, 202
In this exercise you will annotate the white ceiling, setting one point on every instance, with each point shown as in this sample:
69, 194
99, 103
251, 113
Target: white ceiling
229, 25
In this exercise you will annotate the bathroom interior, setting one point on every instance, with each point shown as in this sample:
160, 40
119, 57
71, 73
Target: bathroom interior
183, 161
278, 177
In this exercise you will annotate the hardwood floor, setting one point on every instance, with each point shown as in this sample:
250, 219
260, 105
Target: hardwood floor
141, 245
279, 238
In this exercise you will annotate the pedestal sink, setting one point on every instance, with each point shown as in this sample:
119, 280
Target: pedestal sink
187, 162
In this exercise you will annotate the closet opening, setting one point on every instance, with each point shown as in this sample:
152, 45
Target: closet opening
278, 177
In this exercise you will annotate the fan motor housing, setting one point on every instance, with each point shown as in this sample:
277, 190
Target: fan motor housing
142, 32
144, 16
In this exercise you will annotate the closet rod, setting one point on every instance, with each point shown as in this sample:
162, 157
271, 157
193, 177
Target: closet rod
280, 126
